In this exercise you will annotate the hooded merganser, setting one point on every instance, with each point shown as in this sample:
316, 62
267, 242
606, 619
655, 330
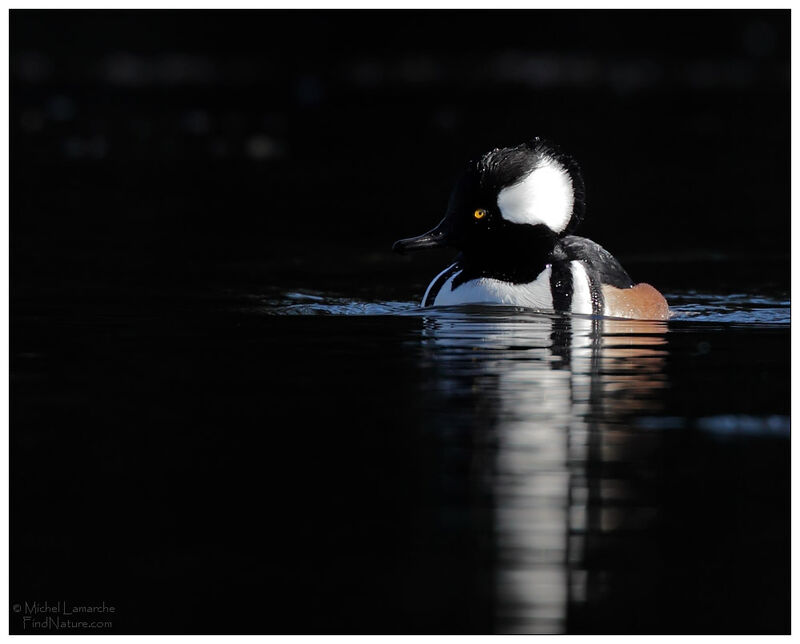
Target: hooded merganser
511, 214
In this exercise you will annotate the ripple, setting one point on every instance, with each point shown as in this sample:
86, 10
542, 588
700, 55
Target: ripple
741, 308
690, 306
313, 303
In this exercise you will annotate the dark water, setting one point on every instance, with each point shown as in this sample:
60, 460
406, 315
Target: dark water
303, 461
624, 476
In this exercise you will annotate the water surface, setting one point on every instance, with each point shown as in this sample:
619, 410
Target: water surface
619, 476
295, 460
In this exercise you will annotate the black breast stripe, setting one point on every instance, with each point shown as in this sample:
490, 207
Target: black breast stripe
440, 281
561, 285
595, 292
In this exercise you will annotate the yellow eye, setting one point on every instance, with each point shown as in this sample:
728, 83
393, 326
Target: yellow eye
480, 213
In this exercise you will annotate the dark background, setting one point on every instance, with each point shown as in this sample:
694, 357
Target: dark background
164, 163
168, 142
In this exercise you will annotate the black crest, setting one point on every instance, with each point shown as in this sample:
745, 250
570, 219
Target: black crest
504, 167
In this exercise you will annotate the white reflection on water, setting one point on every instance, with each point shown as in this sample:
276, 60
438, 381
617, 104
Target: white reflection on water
557, 393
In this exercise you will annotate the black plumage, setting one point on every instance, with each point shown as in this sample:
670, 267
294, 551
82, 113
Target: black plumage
597, 260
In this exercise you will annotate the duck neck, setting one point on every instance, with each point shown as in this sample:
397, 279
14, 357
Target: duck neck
516, 254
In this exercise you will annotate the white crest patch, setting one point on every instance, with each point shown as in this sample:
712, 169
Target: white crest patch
545, 196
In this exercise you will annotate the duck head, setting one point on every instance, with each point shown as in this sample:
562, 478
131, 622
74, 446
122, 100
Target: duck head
508, 201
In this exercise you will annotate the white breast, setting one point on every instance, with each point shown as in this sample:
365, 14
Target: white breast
485, 290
